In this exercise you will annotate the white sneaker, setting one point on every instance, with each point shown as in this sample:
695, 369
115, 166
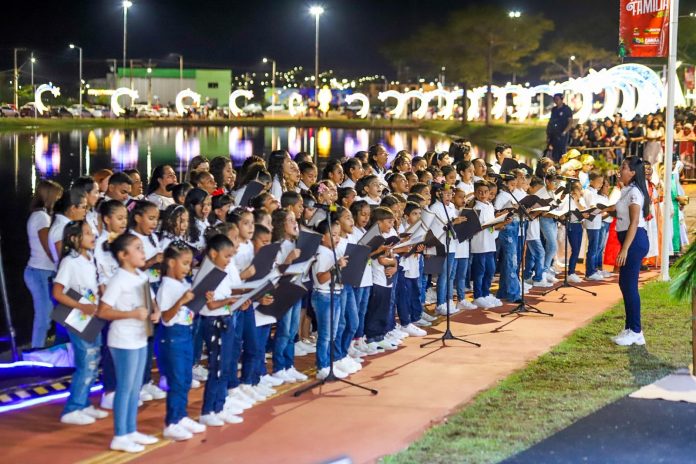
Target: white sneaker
428, 317
123, 443
77, 418
271, 381
323, 373
542, 284
574, 278
229, 418
142, 439
422, 323
297, 375
340, 373
550, 278
299, 351
495, 302
527, 287
162, 384
630, 338
264, 390
482, 302
430, 295
145, 396
211, 420
371, 349
399, 332
308, 346
283, 376
596, 276
195, 383
466, 305
176, 432
442, 310
240, 398
415, 331
200, 373
107, 400
154, 391
607, 274
345, 365
386, 345
232, 406
94, 412
394, 340
249, 391
621, 334
191, 425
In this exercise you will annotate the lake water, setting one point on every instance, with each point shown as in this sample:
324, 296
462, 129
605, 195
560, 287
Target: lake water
26, 157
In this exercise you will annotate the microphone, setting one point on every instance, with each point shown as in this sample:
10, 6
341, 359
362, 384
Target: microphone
329, 208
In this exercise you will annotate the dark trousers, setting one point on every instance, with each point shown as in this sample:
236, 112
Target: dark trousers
177, 347
560, 144
574, 233
628, 277
377, 313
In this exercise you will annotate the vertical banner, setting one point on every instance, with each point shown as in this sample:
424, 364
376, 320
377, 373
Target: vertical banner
644, 28
689, 78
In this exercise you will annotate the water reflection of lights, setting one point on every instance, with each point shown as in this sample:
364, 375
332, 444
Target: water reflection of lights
324, 142
239, 148
46, 156
352, 145
186, 146
124, 153
294, 141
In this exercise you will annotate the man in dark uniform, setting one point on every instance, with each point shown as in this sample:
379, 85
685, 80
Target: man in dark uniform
559, 126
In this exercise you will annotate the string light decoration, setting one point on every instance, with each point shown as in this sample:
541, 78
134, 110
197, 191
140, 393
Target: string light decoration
179, 101
40, 107
116, 108
234, 109
364, 111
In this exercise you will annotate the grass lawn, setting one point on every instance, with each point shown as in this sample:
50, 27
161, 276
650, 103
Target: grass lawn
579, 376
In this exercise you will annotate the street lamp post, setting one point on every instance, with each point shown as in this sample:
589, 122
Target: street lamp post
126, 4
73, 46
514, 14
32, 61
273, 87
181, 70
571, 58
316, 11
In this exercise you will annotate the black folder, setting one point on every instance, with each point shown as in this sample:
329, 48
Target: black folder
207, 283
253, 189
358, 255
264, 259
308, 243
433, 264
285, 295
466, 230
372, 238
508, 165
90, 332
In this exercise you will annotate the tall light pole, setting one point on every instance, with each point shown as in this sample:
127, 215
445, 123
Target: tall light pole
73, 46
273, 88
181, 70
126, 4
316, 11
16, 78
514, 14
571, 58
32, 61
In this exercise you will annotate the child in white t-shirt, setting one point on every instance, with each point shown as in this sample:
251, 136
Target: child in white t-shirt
78, 273
534, 263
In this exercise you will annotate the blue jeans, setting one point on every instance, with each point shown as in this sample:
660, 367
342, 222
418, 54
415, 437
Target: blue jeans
482, 270
322, 307
377, 313
462, 265
341, 326
197, 340
408, 303
236, 351
177, 349
535, 261
628, 277
108, 373
549, 231
263, 333
362, 299
38, 281
509, 288
250, 348
603, 236
445, 281
286, 330
129, 365
348, 324
591, 265
86, 369
574, 234
391, 315
218, 333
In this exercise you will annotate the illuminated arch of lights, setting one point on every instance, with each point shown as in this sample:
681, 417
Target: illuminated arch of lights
295, 106
234, 109
116, 108
179, 101
364, 111
38, 104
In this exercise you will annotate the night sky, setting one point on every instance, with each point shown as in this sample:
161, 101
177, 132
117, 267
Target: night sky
236, 35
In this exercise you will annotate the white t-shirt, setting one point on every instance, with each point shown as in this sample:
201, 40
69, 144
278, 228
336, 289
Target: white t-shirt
124, 292
348, 183
160, 201
370, 201
603, 199
151, 247
533, 230
201, 226
379, 277
484, 241
92, 218
276, 188
503, 199
38, 259
55, 234
367, 274
244, 256
104, 259
79, 274
168, 294
591, 198
466, 188
323, 263
630, 195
